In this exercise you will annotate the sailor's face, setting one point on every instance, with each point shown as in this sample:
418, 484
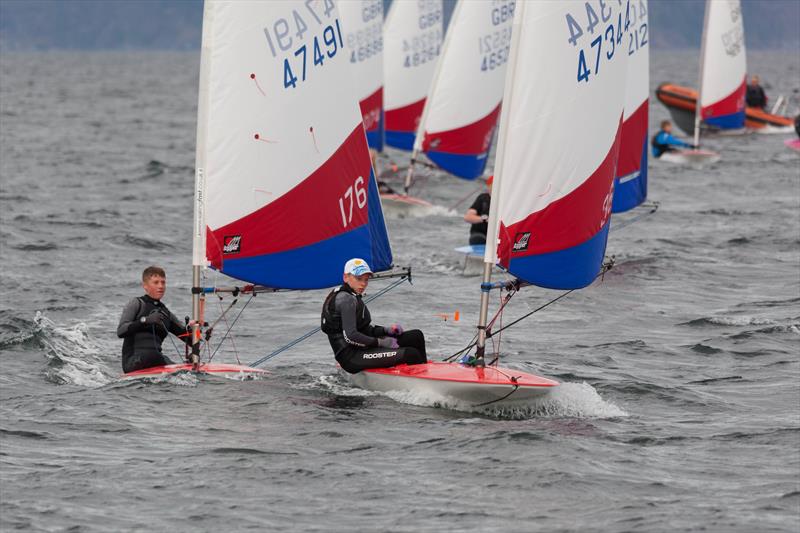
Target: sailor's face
155, 287
357, 283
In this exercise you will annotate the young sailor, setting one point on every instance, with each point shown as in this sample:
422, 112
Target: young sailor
663, 141
478, 214
356, 343
146, 322
755, 95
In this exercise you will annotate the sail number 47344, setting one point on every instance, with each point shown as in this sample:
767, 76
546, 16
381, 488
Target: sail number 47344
604, 33
355, 194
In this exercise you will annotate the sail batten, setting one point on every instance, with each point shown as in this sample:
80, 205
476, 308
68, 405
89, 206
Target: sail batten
290, 194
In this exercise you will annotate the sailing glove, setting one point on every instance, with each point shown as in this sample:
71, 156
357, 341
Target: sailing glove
388, 342
395, 330
156, 319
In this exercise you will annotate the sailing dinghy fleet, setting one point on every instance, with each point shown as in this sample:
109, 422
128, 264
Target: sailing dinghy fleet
293, 95
719, 107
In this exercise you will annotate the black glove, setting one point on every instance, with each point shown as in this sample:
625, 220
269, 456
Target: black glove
155, 318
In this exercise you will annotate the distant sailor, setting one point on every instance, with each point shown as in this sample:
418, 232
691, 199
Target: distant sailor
663, 141
146, 322
478, 215
755, 96
356, 343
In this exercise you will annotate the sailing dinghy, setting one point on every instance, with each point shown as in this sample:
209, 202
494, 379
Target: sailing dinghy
721, 105
551, 202
284, 189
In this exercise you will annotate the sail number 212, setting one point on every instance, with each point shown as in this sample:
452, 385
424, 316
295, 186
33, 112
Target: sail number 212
347, 200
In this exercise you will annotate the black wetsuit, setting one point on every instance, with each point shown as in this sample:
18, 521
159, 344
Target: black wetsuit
477, 232
354, 340
141, 347
756, 97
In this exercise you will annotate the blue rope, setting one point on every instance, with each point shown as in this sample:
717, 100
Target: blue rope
653, 209
311, 332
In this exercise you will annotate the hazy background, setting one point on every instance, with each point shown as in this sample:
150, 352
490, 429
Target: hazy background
175, 24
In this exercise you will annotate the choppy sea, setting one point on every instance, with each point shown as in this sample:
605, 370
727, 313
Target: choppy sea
679, 408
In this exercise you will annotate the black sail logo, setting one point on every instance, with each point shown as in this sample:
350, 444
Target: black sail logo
521, 242
231, 244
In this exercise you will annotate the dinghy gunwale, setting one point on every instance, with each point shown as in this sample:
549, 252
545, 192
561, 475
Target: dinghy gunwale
204, 368
417, 372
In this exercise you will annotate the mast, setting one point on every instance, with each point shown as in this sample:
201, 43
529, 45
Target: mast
698, 106
490, 254
431, 90
199, 227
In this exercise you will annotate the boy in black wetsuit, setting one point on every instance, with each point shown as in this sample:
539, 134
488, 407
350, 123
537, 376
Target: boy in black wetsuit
478, 215
146, 322
356, 343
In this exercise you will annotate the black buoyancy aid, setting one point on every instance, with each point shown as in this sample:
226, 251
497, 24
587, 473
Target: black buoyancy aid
331, 319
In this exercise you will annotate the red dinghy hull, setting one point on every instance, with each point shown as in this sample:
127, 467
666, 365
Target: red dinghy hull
468, 384
204, 368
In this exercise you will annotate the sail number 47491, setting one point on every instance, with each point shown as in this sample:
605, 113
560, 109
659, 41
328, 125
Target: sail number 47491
346, 201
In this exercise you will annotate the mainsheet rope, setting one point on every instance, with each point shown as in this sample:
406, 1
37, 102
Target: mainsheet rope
311, 332
489, 334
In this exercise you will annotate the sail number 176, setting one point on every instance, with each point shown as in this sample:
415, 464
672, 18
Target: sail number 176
355, 194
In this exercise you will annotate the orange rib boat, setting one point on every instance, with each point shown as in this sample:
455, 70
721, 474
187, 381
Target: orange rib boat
682, 102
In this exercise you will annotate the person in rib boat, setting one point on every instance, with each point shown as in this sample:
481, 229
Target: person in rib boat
146, 322
358, 344
663, 141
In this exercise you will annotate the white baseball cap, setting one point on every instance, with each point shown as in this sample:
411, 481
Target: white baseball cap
357, 267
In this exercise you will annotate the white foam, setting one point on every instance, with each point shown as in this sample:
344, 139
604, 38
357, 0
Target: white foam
740, 321
73, 357
572, 400
333, 384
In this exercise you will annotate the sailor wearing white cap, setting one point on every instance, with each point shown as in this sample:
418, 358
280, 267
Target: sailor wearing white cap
356, 343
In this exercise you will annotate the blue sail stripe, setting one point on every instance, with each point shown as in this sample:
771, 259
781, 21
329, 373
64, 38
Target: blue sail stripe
570, 268
628, 193
464, 166
403, 140
734, 121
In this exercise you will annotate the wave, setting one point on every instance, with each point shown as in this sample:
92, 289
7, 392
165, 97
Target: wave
140, 242
730, 321
72, 356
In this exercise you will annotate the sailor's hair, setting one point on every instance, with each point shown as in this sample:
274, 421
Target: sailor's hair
153, 271
665, 123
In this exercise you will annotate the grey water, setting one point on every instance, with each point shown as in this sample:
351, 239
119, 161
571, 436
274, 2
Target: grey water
679, 408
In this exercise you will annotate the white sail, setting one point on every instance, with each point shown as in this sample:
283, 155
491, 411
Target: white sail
553, 183
723, 66
412, 38
286, 188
